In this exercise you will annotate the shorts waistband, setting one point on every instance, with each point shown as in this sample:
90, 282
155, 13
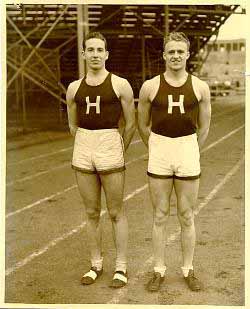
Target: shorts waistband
184, 137
97, 131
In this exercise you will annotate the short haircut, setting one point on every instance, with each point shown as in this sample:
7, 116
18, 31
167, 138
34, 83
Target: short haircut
94, 35
176, 36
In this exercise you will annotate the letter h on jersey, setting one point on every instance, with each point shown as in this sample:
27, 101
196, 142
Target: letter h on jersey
96, 105
179, 103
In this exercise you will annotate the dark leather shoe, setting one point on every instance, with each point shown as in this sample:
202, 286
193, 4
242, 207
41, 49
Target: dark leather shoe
155, 283
192, 282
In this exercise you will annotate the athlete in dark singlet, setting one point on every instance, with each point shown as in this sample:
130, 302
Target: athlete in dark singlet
173, 119
176, 114
95, 105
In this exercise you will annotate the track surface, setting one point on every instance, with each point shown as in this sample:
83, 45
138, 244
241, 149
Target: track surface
46, 243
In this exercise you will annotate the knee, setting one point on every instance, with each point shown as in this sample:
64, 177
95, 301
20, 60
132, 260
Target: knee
186, 218
160, 217
116, 214
116, 209
93, 214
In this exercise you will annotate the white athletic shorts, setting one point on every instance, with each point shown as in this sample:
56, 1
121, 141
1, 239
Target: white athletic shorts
177, 157
99, 151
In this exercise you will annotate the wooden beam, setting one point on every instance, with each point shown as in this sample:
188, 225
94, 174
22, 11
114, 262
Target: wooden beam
27, 35
166, 18
36, 82
197, 10
36, 75
82, 30
24, 113
143, 58
36, 52
37, 46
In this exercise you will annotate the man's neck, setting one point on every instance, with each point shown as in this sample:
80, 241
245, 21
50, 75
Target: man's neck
96, 77
176, 75
176, 78
97, 73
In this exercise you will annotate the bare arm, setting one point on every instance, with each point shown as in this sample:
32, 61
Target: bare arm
71, 109
144, 113
128, 107
204, 115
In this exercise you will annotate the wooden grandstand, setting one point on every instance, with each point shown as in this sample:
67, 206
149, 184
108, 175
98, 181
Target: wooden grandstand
49, 38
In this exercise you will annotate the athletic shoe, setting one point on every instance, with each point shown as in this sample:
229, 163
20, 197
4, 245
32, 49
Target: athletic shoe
91, 276
119, 280
154, 283
192, 282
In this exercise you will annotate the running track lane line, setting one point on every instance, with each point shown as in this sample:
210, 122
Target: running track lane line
122, 293
45, 199
54, 153
11, 183
40, 156
222, 139
69, 148
219, 113
55, 241
170, 239
20, 180
66, 164
74, 186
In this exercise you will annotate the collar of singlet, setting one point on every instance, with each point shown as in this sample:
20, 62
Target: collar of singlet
164, 80
84, 79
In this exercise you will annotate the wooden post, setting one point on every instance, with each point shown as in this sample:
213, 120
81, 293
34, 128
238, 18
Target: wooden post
82, 31
166, 9
143, 58
37, 46
149, 64
24, 114
199, 58
35, 81
60, 90
17, 89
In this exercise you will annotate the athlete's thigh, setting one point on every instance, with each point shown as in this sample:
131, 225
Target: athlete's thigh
160, 191
113, 185
82, 151
161, 155
89, 186
188, 158
109, 155
186, 193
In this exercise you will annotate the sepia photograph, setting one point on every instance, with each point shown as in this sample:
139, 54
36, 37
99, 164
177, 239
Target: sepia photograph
123, 153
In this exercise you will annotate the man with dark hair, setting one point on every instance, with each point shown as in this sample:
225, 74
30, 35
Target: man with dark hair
95, 105
95, 35
174, 114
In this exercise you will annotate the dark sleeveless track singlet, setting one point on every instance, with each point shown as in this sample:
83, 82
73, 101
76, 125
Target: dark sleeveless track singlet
175, 109
98, 107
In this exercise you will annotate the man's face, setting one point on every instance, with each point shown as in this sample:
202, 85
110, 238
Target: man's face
95, 53
175, 55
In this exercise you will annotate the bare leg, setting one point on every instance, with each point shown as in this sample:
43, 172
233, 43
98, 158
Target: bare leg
113, 185
90, 189
187, 192
160, 191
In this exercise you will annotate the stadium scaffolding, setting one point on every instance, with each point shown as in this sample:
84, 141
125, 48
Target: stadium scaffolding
44, 40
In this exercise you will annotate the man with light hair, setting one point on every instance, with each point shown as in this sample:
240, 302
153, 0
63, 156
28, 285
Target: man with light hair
174, 114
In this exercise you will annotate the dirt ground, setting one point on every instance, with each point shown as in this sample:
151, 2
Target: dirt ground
46, 242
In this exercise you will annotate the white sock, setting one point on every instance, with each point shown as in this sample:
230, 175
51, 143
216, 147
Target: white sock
185, 270
97, 263
160, 269
121, 266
